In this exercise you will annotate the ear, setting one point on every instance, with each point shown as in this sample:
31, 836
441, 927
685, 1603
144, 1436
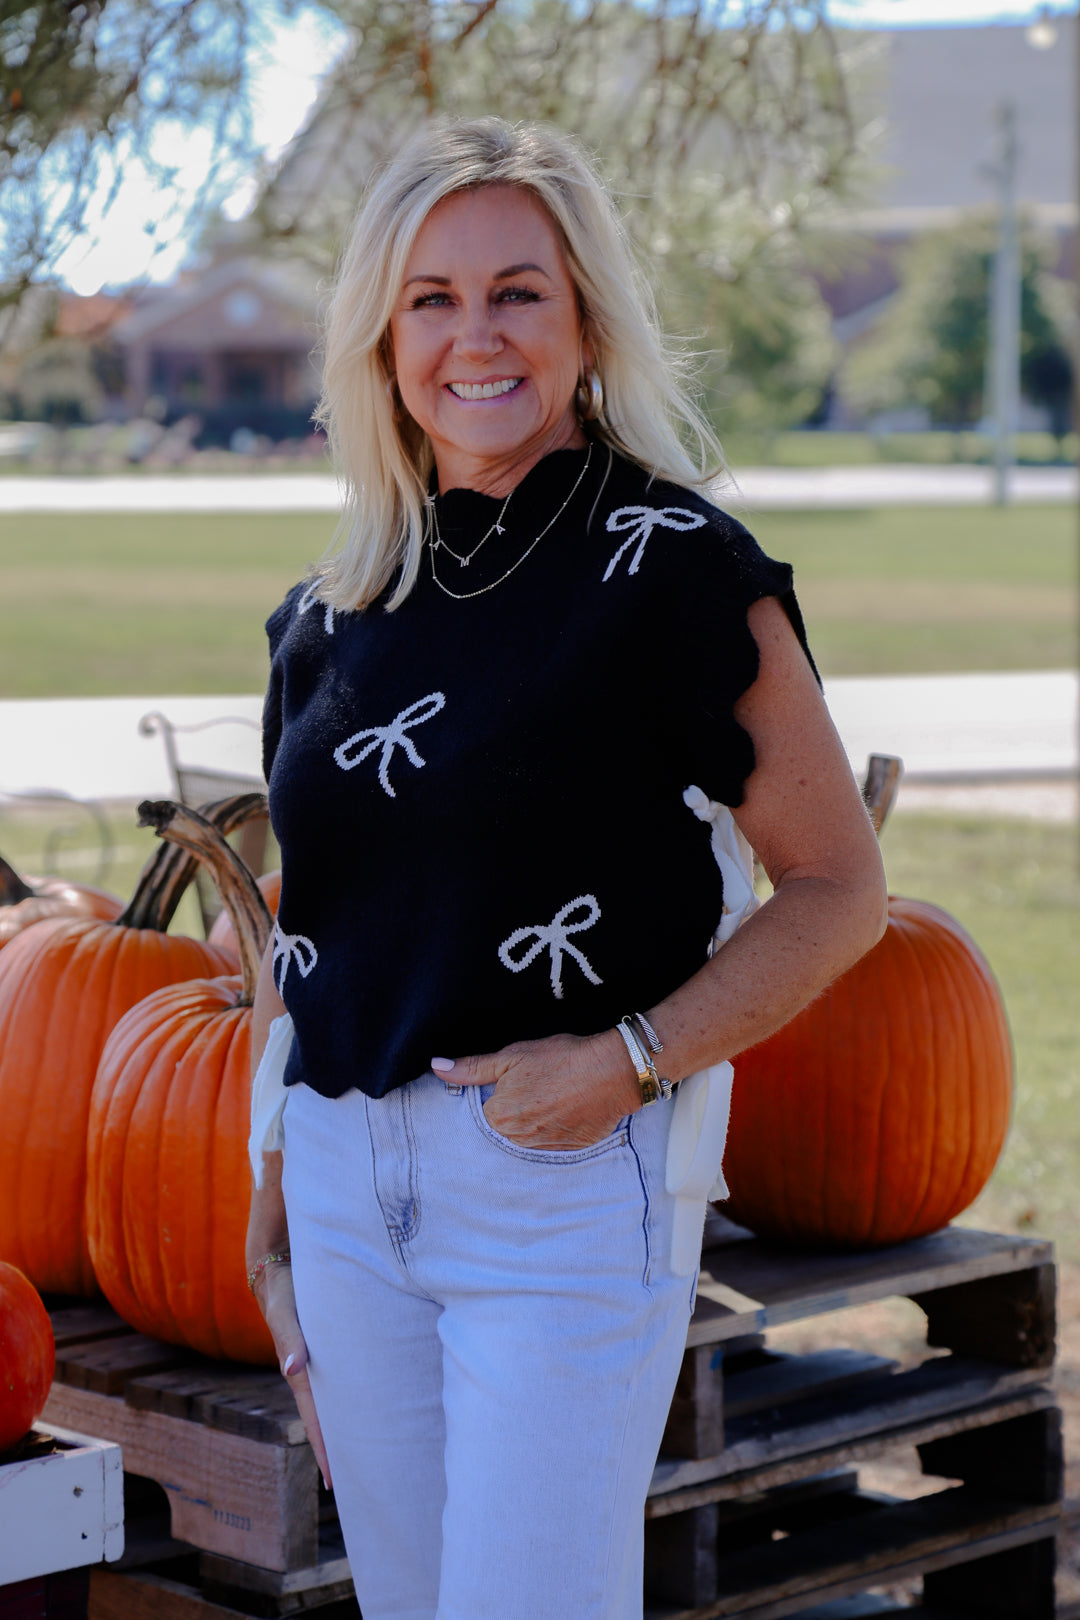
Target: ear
588, 353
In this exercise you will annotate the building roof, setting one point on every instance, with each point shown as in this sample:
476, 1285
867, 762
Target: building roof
937, 91
246, 300
929, 96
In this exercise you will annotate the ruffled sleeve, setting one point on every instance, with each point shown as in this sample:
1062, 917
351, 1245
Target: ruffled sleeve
713, 658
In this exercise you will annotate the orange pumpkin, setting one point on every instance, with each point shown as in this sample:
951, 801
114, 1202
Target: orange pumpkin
64, 984
28, 900
169, 1185
878, 1113
27, 1355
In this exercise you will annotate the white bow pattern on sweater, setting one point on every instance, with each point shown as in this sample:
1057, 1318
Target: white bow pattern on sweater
553, 937
641, 521
390, 737
292, 948
309, 599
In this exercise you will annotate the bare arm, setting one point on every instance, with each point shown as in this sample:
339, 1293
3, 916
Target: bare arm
268, 1233
803, 815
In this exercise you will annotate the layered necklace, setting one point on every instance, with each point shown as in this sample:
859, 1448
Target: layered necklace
437, 543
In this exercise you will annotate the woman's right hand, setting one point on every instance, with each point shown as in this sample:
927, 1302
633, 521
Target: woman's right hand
276, 1300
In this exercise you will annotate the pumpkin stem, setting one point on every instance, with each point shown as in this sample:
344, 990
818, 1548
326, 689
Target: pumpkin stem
170, 870
12, 887
883, 772
239, 892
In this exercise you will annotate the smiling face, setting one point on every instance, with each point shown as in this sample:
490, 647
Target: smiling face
486, 338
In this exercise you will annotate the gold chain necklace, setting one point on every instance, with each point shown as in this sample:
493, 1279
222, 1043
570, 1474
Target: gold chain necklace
465, 596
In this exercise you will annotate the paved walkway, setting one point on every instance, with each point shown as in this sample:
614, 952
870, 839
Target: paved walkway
956, 734
758, 489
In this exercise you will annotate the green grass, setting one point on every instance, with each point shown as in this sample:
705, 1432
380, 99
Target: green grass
133, 604
137, 605
1015, 886
813, 449
933, 589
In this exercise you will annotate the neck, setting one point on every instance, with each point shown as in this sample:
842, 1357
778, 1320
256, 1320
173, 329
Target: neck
499, 477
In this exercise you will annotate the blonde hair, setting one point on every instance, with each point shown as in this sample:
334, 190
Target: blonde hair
383, 458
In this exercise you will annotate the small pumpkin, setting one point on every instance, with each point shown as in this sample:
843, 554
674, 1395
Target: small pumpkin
27, 1355
169, 1186
28, 900
64, 984
878, 1113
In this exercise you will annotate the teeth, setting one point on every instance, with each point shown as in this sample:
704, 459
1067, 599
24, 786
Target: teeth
483, 390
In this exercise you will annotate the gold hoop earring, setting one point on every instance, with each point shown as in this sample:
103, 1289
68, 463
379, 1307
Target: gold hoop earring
589, 396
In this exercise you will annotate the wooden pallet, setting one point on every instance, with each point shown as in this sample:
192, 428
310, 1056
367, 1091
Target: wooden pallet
755, 1509
751, 1435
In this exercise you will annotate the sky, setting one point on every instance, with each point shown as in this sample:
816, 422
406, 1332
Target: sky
292, 57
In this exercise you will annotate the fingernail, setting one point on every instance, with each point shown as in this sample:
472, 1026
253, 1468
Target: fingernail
326, 1482
442, 1065
288, 1363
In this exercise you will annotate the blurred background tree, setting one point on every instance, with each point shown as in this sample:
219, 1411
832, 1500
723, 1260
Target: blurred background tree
930, 348
89, 86
723, 128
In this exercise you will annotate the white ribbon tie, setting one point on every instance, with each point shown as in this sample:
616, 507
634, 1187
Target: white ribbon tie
311, 598
292, 948
553, 937
348, 755
641, 521
699, 1121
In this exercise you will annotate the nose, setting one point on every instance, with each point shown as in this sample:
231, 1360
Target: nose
477, 337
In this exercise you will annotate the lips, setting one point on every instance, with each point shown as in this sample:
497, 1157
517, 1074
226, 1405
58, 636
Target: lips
488, 390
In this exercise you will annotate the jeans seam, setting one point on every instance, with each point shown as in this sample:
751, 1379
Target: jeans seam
394, 1230
414, 1166
648, 1205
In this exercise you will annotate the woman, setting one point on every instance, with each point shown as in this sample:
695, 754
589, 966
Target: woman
487, 718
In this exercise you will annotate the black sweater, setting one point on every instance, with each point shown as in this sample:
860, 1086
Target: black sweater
480, 802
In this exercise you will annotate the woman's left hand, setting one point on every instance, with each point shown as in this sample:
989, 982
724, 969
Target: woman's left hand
564, 1092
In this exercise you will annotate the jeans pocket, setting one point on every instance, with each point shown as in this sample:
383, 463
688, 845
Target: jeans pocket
555, 1156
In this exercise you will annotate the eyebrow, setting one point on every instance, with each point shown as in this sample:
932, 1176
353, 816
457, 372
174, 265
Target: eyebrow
500, 275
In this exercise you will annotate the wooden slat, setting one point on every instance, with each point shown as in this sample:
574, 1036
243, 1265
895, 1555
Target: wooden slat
319, 1583
260, 1406
154, 1597
173, 1391
106, 1365
228, 1494
782, 1379
237, 1400
782, 1577
678, 1484
872, 1606
150, 1597
747, 1285
1011, 1319
683, 1550
72, 1323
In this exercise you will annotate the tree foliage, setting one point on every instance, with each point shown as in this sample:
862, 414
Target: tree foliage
930, 348
89, 86
723, 127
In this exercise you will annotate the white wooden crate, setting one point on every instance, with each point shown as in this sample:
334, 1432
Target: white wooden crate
62, 1510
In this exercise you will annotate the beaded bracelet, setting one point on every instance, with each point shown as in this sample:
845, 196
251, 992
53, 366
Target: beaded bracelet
278, 1257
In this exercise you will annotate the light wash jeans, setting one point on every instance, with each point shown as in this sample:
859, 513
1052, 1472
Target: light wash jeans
494, 1336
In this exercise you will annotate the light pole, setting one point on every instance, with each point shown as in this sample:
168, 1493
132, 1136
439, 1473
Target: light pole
1005, 283
1005, 308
